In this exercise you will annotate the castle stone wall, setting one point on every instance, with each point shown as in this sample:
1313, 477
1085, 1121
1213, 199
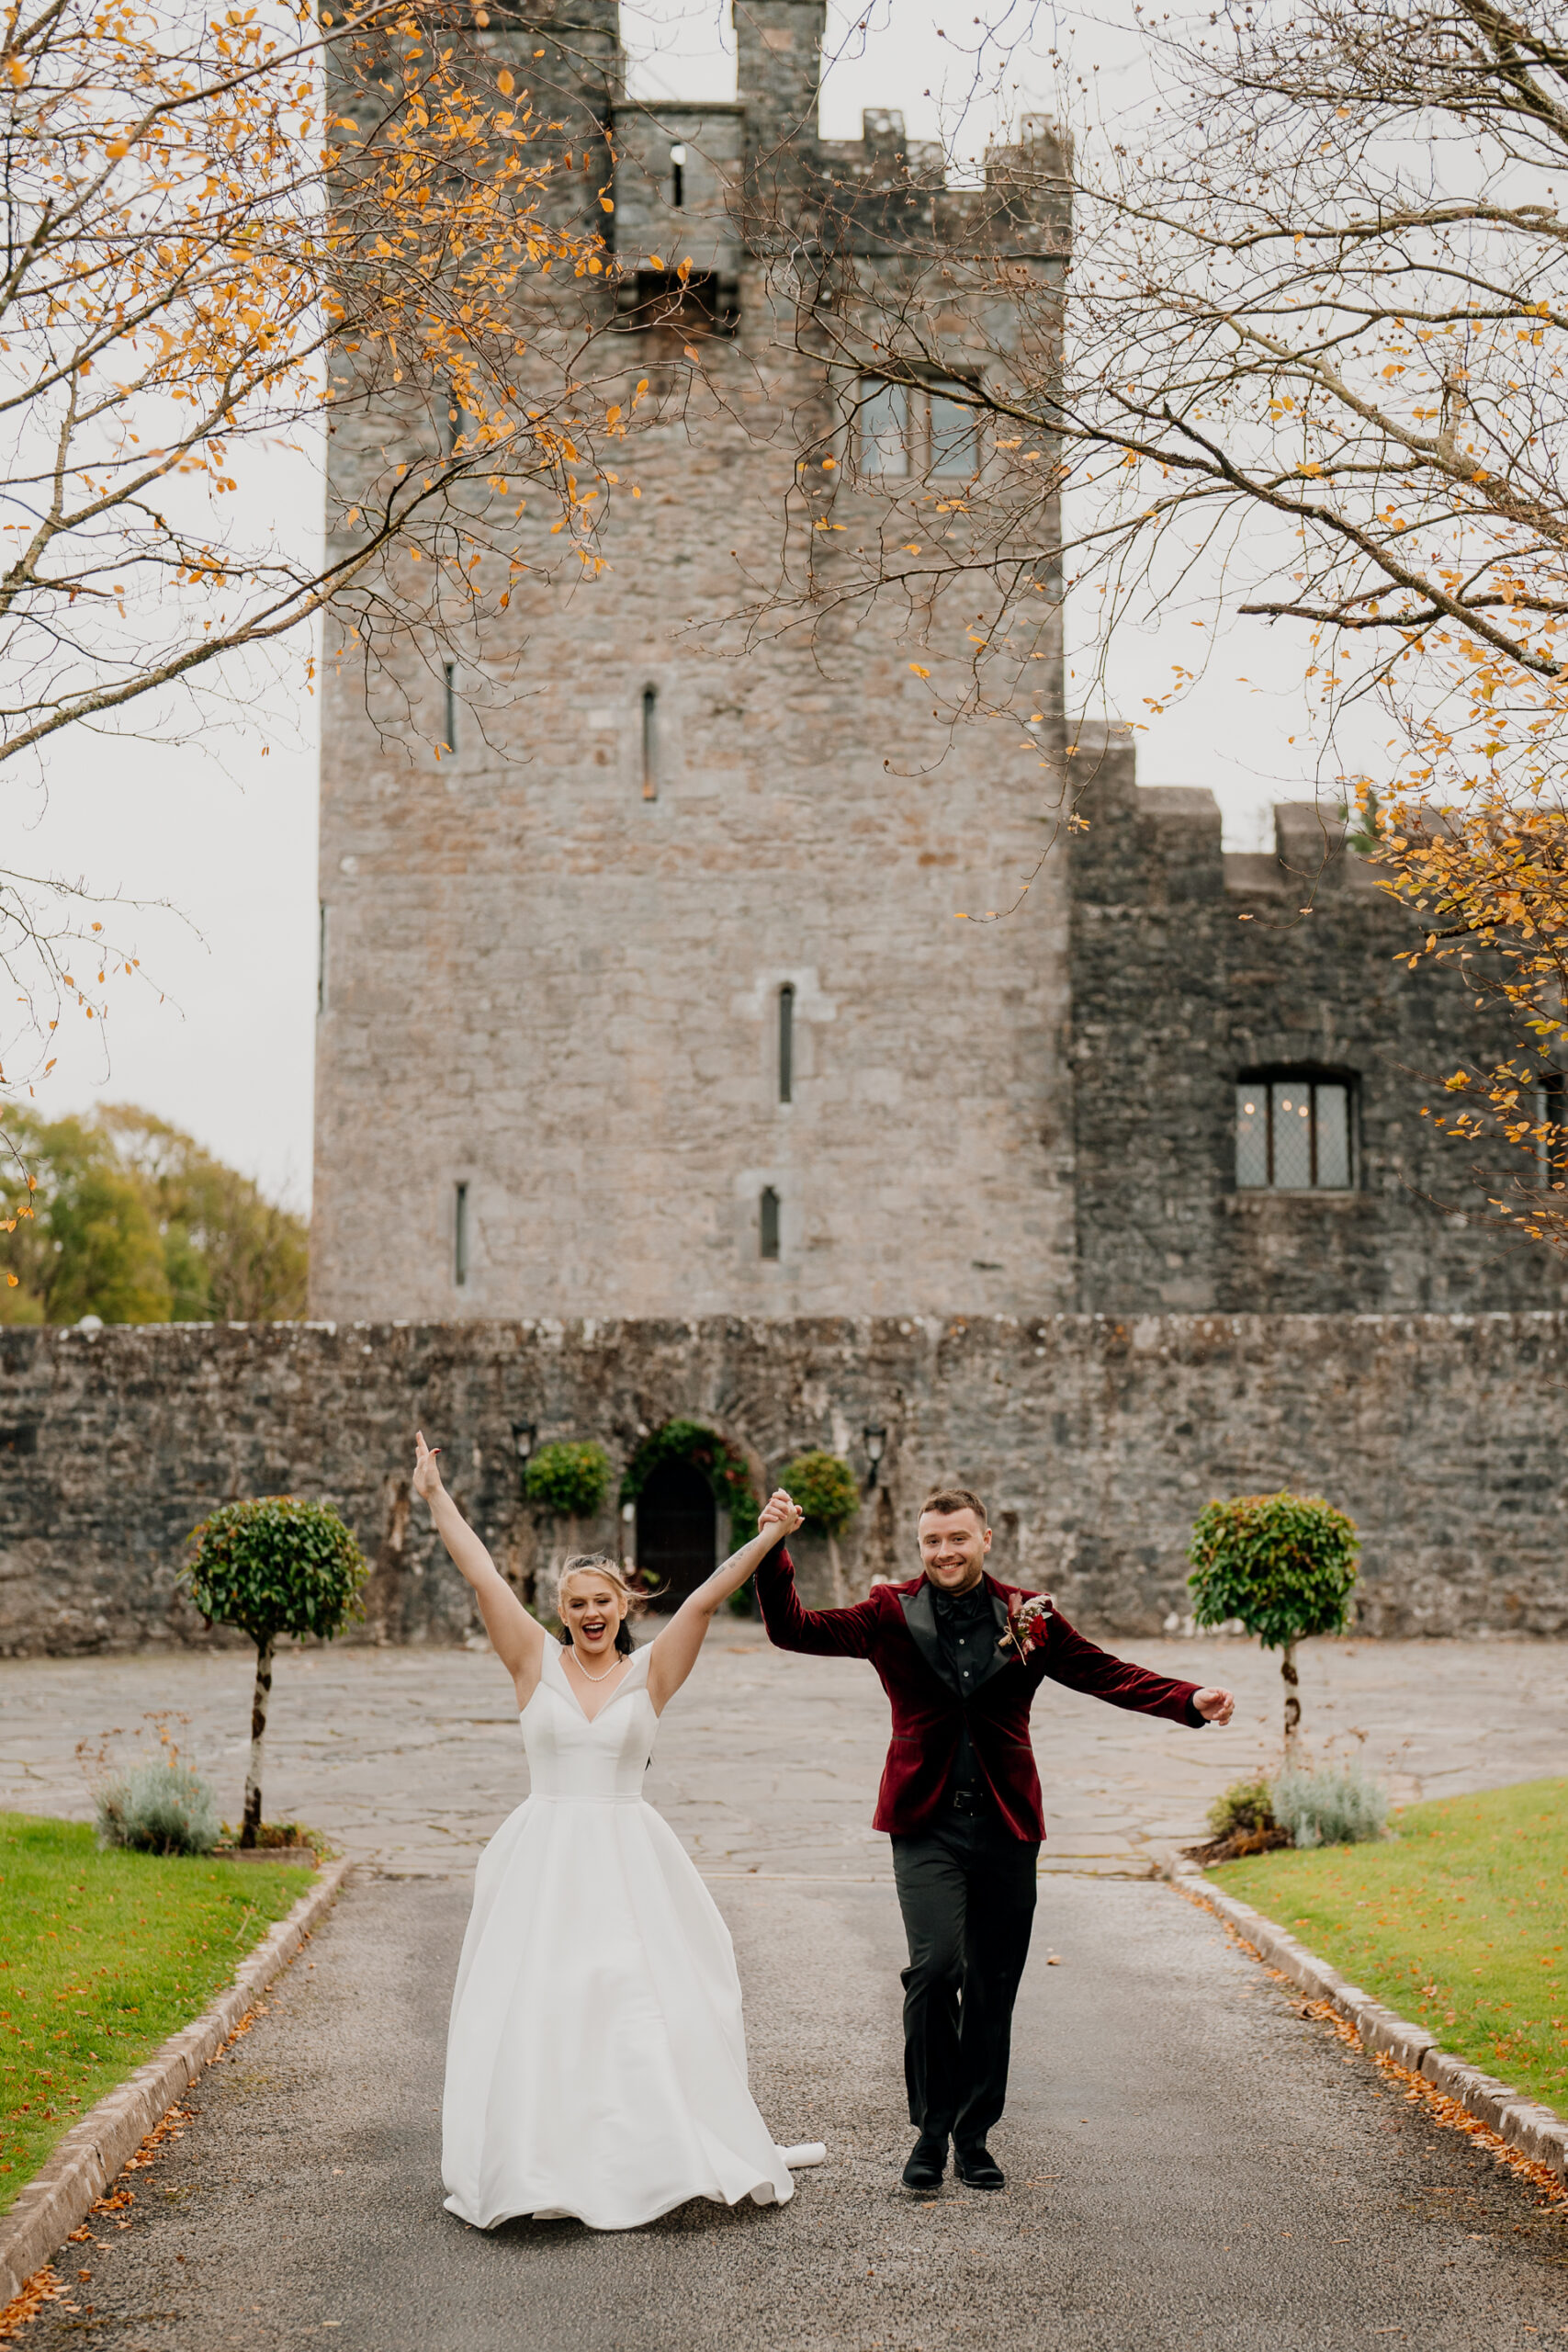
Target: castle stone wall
553, 965
1094, 1439
1191, 969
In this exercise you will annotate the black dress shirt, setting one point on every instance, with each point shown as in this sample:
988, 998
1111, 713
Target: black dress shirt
966, 1631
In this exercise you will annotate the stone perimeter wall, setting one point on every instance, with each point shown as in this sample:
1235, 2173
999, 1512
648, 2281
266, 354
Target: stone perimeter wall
1093, 1439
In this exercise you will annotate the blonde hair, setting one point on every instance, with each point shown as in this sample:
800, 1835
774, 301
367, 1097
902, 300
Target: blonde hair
599, 1564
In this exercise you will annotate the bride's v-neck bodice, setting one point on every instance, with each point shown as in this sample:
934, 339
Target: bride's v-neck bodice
603, 1761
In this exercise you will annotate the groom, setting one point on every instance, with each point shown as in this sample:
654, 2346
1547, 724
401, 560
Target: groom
960, 1656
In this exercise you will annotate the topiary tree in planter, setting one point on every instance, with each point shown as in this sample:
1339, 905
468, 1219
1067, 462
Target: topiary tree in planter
824, 1486
1284, 1564
274, 1568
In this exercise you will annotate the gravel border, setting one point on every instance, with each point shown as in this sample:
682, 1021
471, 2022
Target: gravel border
1537, 2132
93, 2150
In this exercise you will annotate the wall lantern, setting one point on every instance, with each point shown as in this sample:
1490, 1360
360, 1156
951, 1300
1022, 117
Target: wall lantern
875, 1442
522, 1436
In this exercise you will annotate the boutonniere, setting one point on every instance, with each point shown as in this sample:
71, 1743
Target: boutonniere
1026, 1624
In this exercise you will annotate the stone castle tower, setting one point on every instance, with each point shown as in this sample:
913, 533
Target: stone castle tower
650, 998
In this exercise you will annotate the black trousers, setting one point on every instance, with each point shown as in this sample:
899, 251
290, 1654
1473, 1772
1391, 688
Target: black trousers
967, 1889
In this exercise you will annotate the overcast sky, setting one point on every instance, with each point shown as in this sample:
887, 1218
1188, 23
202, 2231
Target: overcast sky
228, 836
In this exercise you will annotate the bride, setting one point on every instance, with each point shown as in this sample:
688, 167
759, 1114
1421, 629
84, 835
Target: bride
597, 2058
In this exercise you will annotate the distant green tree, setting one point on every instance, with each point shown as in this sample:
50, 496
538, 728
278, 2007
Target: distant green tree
81, 1239
131, 1221
231, 1255
1285, 1565
274, 1568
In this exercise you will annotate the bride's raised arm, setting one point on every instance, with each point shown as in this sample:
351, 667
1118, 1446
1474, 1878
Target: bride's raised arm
517, 1638
672, 1654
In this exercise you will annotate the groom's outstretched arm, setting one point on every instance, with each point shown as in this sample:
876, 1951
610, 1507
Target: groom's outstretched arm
1068, 1656
827, 1632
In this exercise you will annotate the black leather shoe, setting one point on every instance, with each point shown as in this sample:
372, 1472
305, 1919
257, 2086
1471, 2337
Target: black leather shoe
977, 2168
928, 2161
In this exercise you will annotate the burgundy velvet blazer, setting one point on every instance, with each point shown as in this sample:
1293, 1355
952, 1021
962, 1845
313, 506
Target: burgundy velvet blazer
895, 1629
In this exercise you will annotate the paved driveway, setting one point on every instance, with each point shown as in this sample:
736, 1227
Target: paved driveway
1192, 2163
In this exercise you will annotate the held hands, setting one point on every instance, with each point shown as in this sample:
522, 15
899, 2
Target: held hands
1214, 1706
426, 1469
779, 1515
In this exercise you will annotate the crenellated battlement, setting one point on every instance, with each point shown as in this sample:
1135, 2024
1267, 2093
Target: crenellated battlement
1171, 833
879, 197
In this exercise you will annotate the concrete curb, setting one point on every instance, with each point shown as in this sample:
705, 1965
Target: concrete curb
1538, 2132
92, 2151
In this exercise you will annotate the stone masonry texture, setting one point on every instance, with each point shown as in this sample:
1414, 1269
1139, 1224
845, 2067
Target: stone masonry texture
1094, 1440
552, 969
1190, 970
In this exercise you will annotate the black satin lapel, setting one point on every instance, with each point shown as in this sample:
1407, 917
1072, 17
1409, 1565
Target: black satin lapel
921, 1618
999, 1657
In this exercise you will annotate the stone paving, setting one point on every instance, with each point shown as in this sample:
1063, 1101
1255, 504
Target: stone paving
767, 1763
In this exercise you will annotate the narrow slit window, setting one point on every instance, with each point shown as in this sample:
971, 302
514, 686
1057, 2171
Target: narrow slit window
768, 1222
678, 176
321, 956
449, 680
786, 1043
650, 743
884, 427
460, 1236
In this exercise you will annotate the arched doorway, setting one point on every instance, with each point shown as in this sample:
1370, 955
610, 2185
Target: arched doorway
675, 1531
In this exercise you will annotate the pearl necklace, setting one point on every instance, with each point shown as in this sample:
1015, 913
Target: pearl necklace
614, 1662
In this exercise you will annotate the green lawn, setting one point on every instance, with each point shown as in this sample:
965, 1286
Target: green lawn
1458, 1923
102, 1957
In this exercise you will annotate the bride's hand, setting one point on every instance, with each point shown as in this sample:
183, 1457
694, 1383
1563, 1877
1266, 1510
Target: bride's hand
426, 1470
780, 1512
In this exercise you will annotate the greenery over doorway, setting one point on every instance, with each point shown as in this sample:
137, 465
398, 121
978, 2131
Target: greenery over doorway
728, 1473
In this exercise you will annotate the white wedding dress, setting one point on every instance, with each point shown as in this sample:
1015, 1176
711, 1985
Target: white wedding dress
597, 2059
